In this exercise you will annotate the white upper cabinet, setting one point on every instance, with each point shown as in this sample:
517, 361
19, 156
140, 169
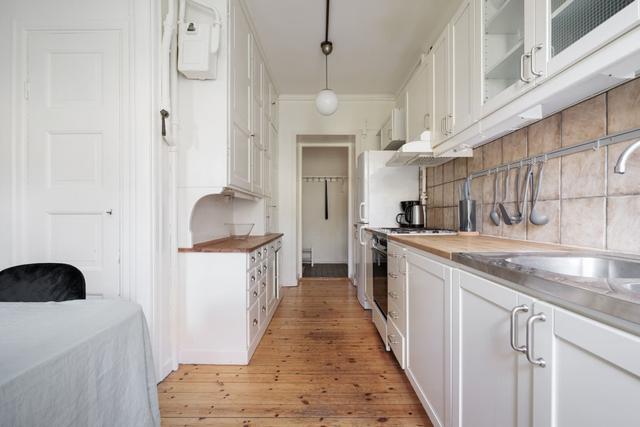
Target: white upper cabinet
420, 100
568, 30
508, 35
442, 114
465, 96
242, 45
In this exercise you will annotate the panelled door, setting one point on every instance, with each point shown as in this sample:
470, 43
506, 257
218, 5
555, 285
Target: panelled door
74, 96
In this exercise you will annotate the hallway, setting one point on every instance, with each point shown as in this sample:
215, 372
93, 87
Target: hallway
320, 364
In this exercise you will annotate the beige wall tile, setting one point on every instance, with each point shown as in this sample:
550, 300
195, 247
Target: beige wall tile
430, 193
449, 218
623, 109
549, 232
435, 218
474, 163
437, 175
623, 224
488, 191
447, 171
583, 174
457, 187
583, 222
515, 231
477, 189
492, 154
550, 186
584, 121
514, 146
448, 193
488, 227
629, 183
479, 215
437, 197
460, 168
430, 177
545, 135
516, 178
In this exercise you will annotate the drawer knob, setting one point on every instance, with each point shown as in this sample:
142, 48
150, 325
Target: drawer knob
393, 295
393, 276
264, 285
393, 314
264, 309
255, 293
391, 338
253, 259
255, 322
253, 278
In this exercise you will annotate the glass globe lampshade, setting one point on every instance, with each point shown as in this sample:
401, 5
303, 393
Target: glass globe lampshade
327, 102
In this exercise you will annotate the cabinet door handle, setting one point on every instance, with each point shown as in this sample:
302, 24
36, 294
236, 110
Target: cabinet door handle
514, 328
391, 338
446, 121
522, 59
424, 122
442, 126
532, 61
393, 276
540, 317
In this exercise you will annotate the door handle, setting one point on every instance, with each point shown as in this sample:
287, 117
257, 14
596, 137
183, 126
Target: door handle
540, 317
360, 240
109, 211
532, 56
522, 58
361, 212
424, 122
446, 121
164, 114
514, 328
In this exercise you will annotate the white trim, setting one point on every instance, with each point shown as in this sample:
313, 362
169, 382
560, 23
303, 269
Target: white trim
350, 220
341, 97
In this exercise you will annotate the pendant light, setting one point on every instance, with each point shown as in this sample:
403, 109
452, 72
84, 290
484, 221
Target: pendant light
326, 101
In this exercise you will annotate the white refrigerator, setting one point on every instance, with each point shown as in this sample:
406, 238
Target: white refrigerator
380, 191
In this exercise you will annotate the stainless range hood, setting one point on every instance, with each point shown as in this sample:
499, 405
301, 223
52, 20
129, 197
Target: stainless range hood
420, 153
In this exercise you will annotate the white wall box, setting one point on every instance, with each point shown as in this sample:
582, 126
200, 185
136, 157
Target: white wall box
198, 46
227, 303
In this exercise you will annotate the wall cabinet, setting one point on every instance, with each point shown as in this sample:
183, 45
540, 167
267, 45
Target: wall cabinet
428, 364
420, 100
441, 90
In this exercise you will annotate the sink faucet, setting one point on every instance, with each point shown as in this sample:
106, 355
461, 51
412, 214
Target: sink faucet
621, 165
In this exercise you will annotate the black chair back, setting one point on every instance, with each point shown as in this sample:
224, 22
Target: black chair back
41, 283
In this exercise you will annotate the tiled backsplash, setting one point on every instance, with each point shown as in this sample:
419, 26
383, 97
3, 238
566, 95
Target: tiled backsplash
587, 204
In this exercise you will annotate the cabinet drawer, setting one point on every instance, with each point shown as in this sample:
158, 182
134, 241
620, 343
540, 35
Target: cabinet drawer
253, 295
396, 341
262, 316
398, 316
253, 322
265, 251
396, 290
252, 259
262, 286
252, 278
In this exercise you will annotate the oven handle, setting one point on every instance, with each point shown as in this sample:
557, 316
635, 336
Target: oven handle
379, 250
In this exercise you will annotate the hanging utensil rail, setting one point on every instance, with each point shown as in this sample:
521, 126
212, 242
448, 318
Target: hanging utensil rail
594, 144
324, 178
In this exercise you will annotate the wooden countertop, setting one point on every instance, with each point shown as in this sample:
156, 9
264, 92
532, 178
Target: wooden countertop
446, 246
231, 244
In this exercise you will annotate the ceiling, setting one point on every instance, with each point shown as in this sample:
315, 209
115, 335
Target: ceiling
376, 42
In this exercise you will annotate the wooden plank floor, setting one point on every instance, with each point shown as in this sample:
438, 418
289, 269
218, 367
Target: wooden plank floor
320, 363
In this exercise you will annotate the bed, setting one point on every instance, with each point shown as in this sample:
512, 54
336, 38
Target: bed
76, 363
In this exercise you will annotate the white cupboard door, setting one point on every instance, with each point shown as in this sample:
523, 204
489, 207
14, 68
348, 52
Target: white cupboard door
74, 114
492, 380
463, 72
429, 335
257, 168
441, 91
592, 372
240, 153
419, 101
241, 75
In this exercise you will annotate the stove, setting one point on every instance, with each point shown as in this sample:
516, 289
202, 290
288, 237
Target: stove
414, 231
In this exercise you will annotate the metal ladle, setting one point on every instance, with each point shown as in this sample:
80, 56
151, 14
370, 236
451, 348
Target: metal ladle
536, 217
494, 215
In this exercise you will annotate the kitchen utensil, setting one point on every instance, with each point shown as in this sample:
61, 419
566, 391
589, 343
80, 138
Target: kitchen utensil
467, 215
536, 217
412, 214
505, 215
519, 216
494, 215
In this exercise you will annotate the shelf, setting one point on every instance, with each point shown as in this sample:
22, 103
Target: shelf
503, 68
562, 8
509, 19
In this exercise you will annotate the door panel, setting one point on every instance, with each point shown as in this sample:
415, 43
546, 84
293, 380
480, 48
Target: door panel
419, 102
74, 134
240, 159
463, 70
441, 69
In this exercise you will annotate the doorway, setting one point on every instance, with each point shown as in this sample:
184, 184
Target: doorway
325, 188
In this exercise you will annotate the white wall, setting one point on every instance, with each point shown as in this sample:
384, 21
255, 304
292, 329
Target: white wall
298, 116
327, 237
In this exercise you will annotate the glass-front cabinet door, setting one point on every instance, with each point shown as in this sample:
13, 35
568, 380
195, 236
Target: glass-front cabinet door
568, 30
508, 32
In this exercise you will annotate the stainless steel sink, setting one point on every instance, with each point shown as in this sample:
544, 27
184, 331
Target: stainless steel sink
597, 267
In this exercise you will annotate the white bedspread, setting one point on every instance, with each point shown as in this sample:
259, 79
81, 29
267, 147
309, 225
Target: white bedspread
76, 363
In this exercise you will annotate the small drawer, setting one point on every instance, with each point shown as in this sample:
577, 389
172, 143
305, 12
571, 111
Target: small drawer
252, 278
396, 341
252, 259
398, 316
265, 252
253, 323
262, 286
396, 291
263, 309
253, 295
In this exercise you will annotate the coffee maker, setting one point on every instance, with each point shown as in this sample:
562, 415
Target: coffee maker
412, 215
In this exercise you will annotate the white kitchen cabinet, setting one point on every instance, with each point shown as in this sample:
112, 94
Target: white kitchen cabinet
441, 88
591, 376
420, 100
396, 302
257, 168
227, 301
492, 381
240, 154
465, 96
428, 365
241, 70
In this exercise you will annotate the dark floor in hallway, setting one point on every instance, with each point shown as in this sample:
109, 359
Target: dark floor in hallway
325, 270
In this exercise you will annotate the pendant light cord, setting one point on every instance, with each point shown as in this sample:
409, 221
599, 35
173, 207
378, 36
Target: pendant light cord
326, 27
326, 72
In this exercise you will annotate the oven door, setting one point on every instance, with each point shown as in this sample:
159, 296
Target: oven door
379, 276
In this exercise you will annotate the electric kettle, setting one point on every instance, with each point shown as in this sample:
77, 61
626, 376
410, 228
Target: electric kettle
412, 214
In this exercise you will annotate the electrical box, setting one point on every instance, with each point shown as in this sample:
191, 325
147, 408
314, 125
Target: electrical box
198, 46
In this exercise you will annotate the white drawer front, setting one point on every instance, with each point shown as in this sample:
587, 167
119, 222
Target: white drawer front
396, 291
253, 323
252, 259
252, 278
253, 295
396, 342
398, 316
263, 309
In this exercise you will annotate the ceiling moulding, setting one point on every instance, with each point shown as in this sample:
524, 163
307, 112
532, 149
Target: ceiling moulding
341, 98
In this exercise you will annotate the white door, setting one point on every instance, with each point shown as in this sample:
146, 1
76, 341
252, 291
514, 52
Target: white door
591, 376
428, 335
463, 72
492, 383
74, 133
441, 93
